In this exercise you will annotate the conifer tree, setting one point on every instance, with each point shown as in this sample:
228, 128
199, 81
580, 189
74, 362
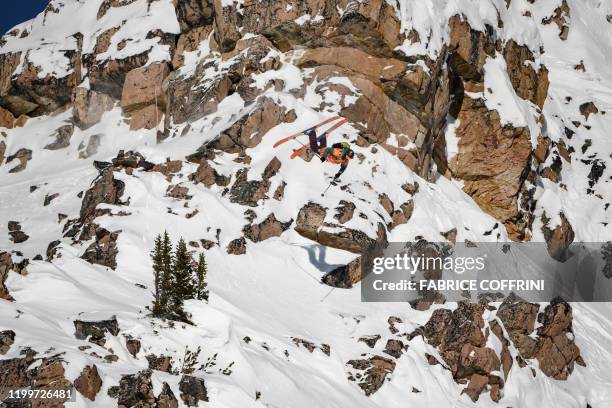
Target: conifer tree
201, 285
182, 285
167, 266
158, 271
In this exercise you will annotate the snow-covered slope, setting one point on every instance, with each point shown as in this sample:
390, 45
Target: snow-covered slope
230, 87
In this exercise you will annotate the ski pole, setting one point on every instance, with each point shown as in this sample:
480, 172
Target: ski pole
325, 191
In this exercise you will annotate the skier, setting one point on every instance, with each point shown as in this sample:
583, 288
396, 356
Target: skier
338, 153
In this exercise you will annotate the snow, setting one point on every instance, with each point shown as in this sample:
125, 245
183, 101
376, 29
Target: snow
273, 292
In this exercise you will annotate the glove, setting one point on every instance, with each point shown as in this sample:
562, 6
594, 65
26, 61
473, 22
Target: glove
322, 159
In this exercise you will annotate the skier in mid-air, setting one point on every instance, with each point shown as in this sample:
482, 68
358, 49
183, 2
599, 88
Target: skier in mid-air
339, 153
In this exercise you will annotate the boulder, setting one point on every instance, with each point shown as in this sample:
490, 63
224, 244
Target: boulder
160, 363
62, 137
561, 17
193, 390
394, 347
95, 331
7, 338
89, 106
88, 383
104, 250
133, 346
23, 155
559, 239
143, 97
268, 228
248, 192
237, 246
7, 119
136, 390
104, 190
166, 398
375, 370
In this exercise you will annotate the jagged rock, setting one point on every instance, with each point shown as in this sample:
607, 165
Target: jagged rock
89, 382
18, 236
160, 363
476, 385
136, 390
344, 212
62, 138
559, 239
528, 84
105, 190
560, 17
95, 331
52, 249
7, 338
143, 87
14, 372
104, 250
237, 246
344, 276
492, 160
89, 106
392, 320
49, 198
310, 346
375, 371
133, 346
588, 108
370, 340
166, 398
249, 130
107, 77
193, 389
386, 203
204, 174
279, 193
394, 348
248, 192
268, 228
7, 119
272, 168
179, 192
23, 155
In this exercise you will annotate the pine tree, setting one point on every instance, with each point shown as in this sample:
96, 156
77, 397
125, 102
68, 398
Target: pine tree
201, 285
182, 285
167, 267
158, 271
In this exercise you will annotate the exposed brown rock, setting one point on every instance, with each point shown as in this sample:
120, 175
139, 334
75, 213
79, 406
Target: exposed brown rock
166, 398
133, 346
62, 138
95, 331
344, 212
160, 363
136, 390
23, 155
559, 239
89, 382
104, 250
588, 108
7, 338
7, 119
193, 389
89, 106
560, 17
375, 371
268, 228
492, 160
394, 348
248, 192
528, 84
476, 385
237, 246
106, 189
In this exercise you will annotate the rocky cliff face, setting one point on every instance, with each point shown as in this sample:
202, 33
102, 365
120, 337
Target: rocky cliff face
478, 121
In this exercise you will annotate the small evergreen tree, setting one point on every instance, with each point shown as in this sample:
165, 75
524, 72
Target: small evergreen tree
167, 265
158, 271
182, 285
201, 285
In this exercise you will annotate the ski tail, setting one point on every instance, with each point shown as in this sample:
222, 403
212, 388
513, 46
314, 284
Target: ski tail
301, 150
325, 122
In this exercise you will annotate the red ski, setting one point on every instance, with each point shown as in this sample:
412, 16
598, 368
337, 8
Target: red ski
286, 139
299, 151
